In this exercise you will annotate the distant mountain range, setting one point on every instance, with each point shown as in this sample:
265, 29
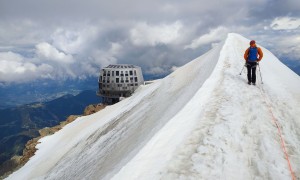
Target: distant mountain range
20, 124
12, 95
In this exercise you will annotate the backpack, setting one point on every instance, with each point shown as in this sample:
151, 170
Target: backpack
252, 54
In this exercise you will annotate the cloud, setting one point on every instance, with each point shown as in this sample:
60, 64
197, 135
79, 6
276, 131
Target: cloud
14, 68
144, 34
48, 52
74, 41
213, 36
18, 33
156, 35
104, 58
10, 56
285, 23
288, 47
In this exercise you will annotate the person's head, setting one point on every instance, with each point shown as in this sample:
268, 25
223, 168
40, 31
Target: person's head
252, 43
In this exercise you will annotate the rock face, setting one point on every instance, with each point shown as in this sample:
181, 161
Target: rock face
91, 109
29, 150
30, 146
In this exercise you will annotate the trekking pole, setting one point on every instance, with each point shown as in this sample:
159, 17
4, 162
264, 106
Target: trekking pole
242, 69
260, 73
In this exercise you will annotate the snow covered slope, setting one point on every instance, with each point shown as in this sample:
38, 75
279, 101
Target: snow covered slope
201, 122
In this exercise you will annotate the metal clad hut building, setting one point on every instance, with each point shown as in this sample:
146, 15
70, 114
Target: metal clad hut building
119, 80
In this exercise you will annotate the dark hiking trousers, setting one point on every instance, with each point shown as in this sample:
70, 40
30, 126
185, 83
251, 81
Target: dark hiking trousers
251, 71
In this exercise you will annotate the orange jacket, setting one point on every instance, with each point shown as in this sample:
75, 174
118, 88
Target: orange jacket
259, 53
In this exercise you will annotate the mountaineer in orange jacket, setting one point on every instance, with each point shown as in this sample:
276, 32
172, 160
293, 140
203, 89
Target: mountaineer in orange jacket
252, 56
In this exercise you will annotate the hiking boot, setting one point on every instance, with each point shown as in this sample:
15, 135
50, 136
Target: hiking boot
249, 83
254, 84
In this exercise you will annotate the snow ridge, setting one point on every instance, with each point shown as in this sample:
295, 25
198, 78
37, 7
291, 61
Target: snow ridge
225, 142
203, 121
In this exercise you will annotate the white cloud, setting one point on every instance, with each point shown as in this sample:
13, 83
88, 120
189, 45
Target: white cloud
145, 34
74, 41
288, 47
285, 23
48, 52
106, 57
10, 56
213, 36
115, 48
14, 68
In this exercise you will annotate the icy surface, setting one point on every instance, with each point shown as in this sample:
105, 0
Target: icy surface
201, 122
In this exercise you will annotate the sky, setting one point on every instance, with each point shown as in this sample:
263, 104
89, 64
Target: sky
61, 40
